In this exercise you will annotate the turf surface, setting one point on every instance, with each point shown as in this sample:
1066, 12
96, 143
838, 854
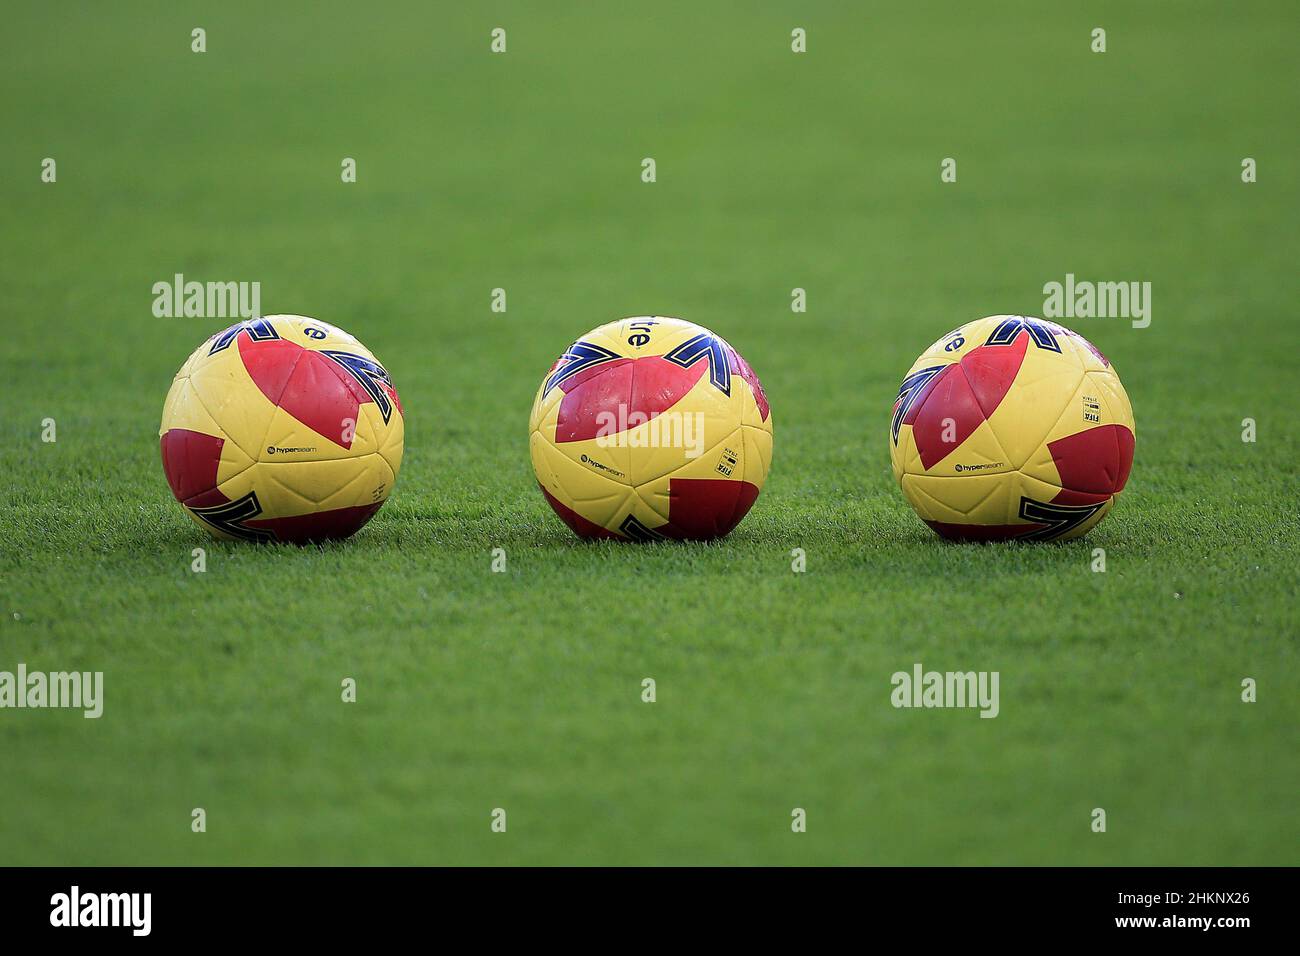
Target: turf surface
521, 690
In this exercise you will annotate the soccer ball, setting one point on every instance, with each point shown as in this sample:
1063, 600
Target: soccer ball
651, 428
1011, 427
281, 428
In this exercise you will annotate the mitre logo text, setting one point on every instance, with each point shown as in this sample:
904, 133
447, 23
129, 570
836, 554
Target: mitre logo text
622, 429
78, 690
75, 908
922, 688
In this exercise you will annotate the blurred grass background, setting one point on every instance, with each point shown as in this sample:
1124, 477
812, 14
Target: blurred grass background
521, 690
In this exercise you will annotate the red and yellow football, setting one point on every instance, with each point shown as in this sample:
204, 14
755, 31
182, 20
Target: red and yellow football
651, 428
1012, 427
282, 428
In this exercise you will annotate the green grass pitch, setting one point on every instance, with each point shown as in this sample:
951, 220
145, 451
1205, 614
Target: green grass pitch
522, 690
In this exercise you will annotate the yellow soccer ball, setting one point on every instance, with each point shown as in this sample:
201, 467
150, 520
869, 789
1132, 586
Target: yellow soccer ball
1012, 427
282, 428
651, 428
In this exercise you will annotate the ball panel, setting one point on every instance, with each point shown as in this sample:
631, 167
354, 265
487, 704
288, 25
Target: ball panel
318, 525
545, 413
218, 530
641, 335
975, 453
946, 416
688, 435
755, 412
704, 508
190, 461
182, 409
901, 447
755, 408
592, 395
724, 461
1036, 511
1022, 424
196, 455
1095, 461
976, 532
951, 346
392, 444
989, 371
996, 331
316, 335
1085, 441
266, 503
1079, 530
289, 439
1059, 514
579, 525
1090, 357
757, 454
611, 462
637, 519
298, 487
1115, 403
186, 421
947, 434
577, 485
962, 499
241, 412
613, 336
370, 433
231, 523
315, 390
